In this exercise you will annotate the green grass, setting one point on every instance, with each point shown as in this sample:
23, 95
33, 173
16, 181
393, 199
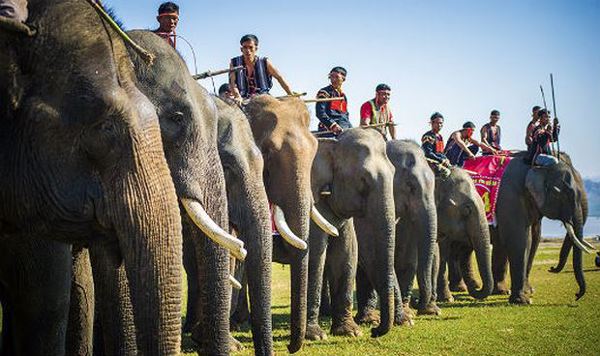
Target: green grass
555, 324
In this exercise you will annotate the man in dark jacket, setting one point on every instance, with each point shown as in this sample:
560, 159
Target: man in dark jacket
333, 115
432, 144
540, 151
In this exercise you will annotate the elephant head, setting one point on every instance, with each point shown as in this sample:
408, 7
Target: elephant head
280, 129
81, 153
557, 192
358, 176
248, 214
188, 122
461, 218
414, 186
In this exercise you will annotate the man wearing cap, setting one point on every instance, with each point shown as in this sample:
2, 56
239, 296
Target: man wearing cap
531, 126
490, 132
432, 144
333, 115
540, 150
377, 112
168, 18
456, 147
225, 92
256, 76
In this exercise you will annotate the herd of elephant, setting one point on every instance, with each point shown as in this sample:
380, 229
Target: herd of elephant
116, 172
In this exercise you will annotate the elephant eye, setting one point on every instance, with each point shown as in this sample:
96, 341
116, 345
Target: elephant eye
177, 117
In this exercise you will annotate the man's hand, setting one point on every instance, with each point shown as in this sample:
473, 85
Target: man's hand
555, 121
446, 162
336, 129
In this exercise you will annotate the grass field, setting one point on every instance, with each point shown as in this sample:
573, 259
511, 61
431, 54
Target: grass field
555, 324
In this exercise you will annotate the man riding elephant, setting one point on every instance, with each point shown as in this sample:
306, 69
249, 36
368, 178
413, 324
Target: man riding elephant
333, 115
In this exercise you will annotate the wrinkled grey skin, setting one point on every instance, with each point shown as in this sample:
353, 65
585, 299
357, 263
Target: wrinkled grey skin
249, 216
526, 195
280, 130
81, 156
357, 172
416, 230
462, 229
188, 122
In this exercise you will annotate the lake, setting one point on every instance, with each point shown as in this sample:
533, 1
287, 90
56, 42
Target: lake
554, 228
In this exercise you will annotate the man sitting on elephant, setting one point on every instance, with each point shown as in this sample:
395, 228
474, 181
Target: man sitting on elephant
531, 126
456, 147
256, 76
540, 151
377, 112
168, 18
333, 115
432, 144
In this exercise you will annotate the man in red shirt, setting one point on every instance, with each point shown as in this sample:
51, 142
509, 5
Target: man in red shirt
377, 112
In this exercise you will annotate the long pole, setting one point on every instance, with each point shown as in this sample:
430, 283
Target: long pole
555, 115
546, 108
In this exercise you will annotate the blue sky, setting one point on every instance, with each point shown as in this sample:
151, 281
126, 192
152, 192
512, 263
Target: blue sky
462, 58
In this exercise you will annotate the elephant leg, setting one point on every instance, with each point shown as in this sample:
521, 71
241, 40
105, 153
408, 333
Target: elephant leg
318, 241
518, 254
189, 264
405, 262
325, 307
443, 290
37, 287
536, 236
499, 263
366, 300
241, 312
456, 283
115, 311
7, 335
431, 308
342, 259
81, 312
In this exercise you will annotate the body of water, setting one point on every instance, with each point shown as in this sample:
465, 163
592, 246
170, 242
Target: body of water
554, 228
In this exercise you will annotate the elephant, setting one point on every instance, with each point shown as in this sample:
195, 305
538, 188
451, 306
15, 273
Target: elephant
81, 157
249, 217
462, 229
280, 131
527, 194
188, 123
352, 183
416, 229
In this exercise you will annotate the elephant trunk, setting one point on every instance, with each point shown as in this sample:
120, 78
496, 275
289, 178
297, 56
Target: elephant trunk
427, 235
483, 253
563, 255
254, 227
146, 219
576, 232
298, 218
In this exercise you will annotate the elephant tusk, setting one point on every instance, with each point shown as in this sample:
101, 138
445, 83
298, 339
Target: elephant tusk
234, 283
574, 238
588, 245
556, 188
452, 202
199, 216
285, 230
323, 223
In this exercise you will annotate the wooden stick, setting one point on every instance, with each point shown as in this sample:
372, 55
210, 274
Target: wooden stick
322, 100
380, 124
209, 73
295, 95
147, 56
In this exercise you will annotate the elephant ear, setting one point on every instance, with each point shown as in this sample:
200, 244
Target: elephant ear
535, 183
323, 166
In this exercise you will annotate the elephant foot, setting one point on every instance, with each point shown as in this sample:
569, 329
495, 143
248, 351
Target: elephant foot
445, 296
314, 332
459, 287
234, 345
520, 299
367, 317
597, 259
234, 325
500, 289
406, 318
529, 290
346, 328
430, 309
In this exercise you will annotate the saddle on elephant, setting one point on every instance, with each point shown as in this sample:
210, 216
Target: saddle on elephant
486, 172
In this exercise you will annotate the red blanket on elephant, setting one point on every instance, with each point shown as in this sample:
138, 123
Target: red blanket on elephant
487, 172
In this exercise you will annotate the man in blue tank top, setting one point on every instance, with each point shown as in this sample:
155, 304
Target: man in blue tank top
256, 76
